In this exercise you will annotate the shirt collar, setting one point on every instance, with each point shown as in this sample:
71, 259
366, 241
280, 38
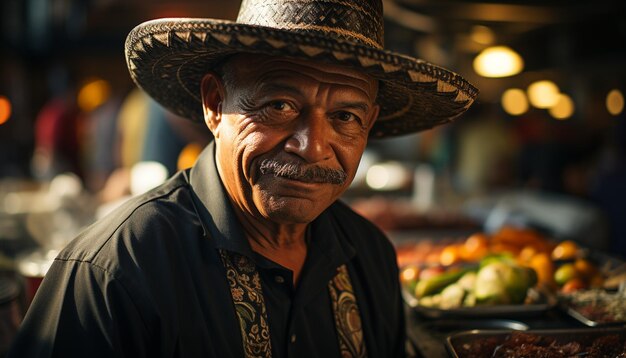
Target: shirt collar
327, 239
220, 217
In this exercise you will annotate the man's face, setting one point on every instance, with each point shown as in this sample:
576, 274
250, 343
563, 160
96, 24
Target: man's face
289, 134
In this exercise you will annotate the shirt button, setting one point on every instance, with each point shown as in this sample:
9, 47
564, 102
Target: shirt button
293, 338
279, 279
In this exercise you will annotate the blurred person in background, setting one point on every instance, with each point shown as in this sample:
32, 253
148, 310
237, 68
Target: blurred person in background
58, 127
148, 133
249, 252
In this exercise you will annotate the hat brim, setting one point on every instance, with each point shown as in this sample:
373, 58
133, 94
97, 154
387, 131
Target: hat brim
167, 58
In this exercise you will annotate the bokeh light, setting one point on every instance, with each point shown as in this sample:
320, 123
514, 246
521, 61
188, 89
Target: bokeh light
514, 101
482, 35
564, 107
615, 102
498, 61
5, 109
93, 94
543, 94
386, 176
188, 156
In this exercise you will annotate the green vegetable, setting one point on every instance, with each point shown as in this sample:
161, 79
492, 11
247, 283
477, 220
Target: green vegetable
503, 282
437, 283
452, 296
501, 257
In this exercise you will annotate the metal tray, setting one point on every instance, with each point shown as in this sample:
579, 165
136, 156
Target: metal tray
582, 335
429, 336
575, 312
542, 303
586, 321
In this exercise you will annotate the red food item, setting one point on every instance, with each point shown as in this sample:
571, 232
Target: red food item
572, 285
524, 344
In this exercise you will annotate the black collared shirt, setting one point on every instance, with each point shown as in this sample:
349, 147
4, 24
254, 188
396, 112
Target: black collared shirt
147, 281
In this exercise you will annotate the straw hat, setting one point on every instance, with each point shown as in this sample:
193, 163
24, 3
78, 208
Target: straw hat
169, 57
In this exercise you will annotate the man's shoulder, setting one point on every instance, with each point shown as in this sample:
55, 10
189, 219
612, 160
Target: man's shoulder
132, 223
357, 226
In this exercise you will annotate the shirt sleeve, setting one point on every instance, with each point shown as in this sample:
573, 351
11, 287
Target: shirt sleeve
81, 310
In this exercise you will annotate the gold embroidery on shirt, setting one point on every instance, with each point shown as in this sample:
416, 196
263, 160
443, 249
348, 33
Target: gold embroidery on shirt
347, 317
245, 289
247, 295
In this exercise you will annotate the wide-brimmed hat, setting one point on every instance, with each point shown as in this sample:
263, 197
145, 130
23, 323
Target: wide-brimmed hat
168, 58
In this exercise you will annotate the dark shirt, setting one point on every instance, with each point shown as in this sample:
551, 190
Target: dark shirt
147, 281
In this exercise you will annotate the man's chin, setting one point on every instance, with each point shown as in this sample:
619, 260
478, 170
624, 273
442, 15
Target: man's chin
288, 210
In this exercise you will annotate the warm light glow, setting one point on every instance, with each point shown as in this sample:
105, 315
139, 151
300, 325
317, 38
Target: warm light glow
146, 175
482, 35
386, 176
514, 101
187, 157
5, 109
409, 274
498, 61
615, 102
377, 177
93, 94
543, 94
564, 107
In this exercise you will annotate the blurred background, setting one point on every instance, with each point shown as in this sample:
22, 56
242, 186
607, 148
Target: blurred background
543, 147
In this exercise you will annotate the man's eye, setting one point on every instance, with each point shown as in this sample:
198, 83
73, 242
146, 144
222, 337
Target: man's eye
280, 106
347, 116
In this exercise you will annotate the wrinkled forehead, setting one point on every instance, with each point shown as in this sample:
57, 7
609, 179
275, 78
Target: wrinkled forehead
245, 66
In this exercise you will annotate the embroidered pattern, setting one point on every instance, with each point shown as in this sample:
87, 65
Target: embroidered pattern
245, 289
247, 295
347, 317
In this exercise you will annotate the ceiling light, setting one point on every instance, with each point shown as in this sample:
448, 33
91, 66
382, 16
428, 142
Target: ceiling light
543, 94
564, 107
615, 102
498, 61
514, 101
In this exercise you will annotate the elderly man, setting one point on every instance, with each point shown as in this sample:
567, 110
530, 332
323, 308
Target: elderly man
250, 253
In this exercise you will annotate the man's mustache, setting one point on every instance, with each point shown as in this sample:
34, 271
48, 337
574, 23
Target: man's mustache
304, 173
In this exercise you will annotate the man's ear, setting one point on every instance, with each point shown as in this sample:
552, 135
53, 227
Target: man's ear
212, 91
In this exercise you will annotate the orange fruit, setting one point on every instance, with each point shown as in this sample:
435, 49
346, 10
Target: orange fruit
475, 247
450, 255
572, 285
585, 268
565, 250
543, 266
526, 254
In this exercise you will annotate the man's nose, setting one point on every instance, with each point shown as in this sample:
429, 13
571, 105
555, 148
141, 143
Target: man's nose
311, 137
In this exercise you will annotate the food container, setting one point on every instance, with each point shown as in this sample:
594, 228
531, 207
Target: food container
596, 307
540, 302
429, 336
583, 342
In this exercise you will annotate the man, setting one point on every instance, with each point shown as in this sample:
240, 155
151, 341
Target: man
249, 253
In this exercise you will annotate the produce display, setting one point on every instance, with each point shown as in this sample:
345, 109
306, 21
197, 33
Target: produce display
495, 280
495, 269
